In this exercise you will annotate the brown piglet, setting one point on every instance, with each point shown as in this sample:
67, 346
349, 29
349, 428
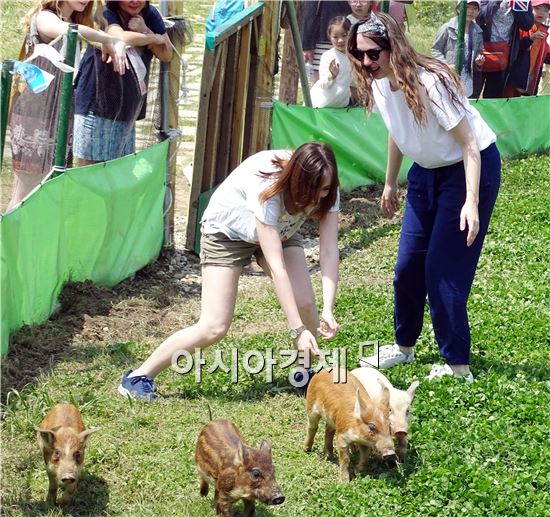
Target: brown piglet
351, 415
237, 470
62, 438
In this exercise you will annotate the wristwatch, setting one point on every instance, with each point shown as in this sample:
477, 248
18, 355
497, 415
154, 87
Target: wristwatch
295, 333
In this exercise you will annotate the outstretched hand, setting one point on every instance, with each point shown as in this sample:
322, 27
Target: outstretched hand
328, 327
306, 342
115, 52
469, 215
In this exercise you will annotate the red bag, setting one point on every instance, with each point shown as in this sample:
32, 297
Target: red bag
496, 56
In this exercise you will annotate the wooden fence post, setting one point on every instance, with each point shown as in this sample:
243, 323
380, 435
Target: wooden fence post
288, 87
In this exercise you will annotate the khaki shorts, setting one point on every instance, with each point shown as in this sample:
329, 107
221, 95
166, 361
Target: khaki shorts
219, 250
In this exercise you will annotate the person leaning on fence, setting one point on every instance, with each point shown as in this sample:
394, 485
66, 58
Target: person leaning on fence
107, 107
257, 211
501, 22
445, 45
33, 116
452, 187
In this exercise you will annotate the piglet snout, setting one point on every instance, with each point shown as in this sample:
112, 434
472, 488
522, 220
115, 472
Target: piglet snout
389, 456
401, 434
68, 479
278, 499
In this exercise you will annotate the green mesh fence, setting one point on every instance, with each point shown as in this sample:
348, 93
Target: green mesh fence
100, 223
522, 126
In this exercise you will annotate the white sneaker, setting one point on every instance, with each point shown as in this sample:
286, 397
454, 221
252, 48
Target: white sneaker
388, 356
442, 370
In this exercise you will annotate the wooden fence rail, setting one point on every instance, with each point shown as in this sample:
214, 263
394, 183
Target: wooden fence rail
236, 91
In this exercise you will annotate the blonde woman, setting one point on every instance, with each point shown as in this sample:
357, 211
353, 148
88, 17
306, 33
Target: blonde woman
33, 118
452, 188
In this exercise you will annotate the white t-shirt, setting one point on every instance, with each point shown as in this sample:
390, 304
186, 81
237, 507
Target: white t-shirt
328, 92
430, 145
235, 205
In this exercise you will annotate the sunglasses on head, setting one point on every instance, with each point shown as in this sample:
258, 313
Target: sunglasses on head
373, 54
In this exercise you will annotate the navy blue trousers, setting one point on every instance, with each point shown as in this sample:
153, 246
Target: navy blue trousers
433, 258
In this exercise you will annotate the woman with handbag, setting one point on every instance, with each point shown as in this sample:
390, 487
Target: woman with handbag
106, 106
452, 188
500, 23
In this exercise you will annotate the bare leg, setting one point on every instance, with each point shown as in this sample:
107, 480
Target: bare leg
219, 293
81, 162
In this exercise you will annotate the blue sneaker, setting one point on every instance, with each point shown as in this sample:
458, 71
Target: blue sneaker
140, 387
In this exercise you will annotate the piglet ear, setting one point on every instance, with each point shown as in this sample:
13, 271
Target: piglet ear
239, 455
412, 388
83, 436
46, 437
385, 394
359, 406
265, 447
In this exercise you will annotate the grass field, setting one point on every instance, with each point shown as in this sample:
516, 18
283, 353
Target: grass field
477, 449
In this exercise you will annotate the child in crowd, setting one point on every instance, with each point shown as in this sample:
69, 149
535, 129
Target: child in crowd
333, 88
317, 15
360, 10
257, 211
445, 45
540, 47
33, 116
107, 107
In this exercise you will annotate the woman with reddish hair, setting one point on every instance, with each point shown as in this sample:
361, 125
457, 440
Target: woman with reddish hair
257, 211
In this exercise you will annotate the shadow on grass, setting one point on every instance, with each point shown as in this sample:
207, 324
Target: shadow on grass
250, 389
397, 473
482, 366
91, 499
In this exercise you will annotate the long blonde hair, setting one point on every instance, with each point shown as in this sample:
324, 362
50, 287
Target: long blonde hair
404, 61
83, 18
